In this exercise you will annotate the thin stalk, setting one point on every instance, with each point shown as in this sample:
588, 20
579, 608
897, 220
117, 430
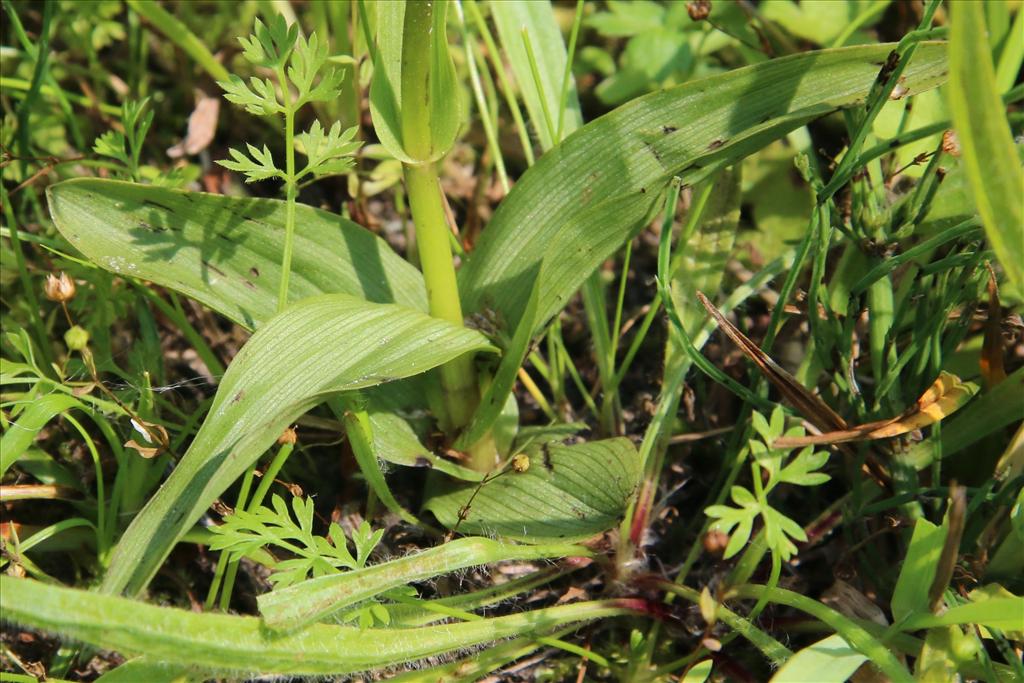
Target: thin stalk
481, 101
290, 189
878, 96
534, 391
101, 519
773, 649
506, 87
617, 320
548, 122
226, 567
269, 475
564, 92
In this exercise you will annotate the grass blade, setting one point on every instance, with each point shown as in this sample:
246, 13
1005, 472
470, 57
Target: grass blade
989, 155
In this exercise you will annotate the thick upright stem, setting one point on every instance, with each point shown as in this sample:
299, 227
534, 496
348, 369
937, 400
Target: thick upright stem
458, 377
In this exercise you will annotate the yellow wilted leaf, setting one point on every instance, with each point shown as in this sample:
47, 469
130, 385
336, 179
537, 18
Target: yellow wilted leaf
945, 396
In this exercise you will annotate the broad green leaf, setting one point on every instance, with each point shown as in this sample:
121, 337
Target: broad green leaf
394, 85
316, 348
989, 158
568, 493
830, 660
537, 20
20, 435
911, 593
226, 251
226, 645
310, 601
587, 196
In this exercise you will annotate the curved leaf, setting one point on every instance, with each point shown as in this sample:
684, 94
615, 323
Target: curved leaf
317, 347
587, 196
226, 251
568, 493
226, 645
20, 435
830, 660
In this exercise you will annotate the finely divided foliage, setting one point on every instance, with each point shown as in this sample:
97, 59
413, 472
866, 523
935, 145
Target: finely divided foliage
589, 484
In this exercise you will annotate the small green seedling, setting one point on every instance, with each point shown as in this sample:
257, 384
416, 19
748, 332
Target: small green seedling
298, 63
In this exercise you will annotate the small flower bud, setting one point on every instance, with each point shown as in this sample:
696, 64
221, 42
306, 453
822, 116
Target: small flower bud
77, 338
699, 10
715, 542
60, 288
288, 436
951, 143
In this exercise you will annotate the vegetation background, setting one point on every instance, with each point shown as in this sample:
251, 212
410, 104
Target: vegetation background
704, 363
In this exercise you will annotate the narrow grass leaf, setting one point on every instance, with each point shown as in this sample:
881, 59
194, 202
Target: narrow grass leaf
584, 198
313, 600
513, 18
225, 645
226, 251
568, 493
989, 156
316, 348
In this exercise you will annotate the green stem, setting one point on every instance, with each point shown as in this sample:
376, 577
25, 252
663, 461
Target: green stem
433, 240
458, 377
290, 188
